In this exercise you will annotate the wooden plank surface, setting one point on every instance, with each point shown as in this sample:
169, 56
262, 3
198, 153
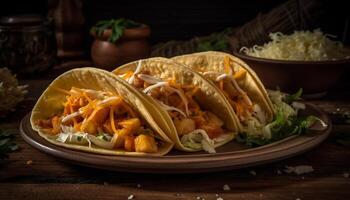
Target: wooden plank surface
50, 178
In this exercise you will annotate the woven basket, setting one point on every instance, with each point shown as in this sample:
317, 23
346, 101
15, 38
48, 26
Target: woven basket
289, 16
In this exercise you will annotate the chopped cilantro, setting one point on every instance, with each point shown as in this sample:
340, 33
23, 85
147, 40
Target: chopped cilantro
6, 143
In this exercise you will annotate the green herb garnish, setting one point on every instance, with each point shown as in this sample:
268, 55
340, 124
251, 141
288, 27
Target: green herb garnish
282, 128
293, 97
116, 25
102, 136
79, 138
6, 143
286, 121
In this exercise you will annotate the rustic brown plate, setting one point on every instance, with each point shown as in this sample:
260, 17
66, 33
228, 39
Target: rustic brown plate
230, 156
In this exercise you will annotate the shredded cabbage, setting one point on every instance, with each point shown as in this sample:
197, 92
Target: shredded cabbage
279, 104
197, 140
259, 113
69, 135
253, 126
105, 142
286, 121
301, 45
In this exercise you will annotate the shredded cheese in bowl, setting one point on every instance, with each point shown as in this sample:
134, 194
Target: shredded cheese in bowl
300, 46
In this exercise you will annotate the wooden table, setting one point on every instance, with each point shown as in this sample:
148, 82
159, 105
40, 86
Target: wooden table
50, 178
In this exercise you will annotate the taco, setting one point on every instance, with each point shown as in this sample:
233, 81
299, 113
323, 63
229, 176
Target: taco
240, 85
195, 113
90, 110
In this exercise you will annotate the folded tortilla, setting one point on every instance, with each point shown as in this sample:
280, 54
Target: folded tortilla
162, 82
241, 86
100, 89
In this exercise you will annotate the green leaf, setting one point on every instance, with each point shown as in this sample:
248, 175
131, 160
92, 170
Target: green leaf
6, 143
281, 129
6, 134
102, 136
251, 141
293, 97
279, 122
117, 32
116, 25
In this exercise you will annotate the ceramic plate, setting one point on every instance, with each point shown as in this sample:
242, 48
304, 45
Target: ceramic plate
230, 156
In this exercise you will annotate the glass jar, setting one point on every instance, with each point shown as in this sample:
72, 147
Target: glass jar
27, 44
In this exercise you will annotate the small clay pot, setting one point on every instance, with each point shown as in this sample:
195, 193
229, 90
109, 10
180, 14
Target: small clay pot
131, 46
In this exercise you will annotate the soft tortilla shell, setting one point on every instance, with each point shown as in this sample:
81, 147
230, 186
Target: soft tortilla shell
210, 98
214, 61
51, 102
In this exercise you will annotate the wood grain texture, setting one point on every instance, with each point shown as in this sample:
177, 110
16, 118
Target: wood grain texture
308, 188
51, 178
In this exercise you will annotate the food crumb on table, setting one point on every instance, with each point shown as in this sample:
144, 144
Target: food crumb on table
253, 173
29, 162
226, 187
131, 197
219, 198
300, 169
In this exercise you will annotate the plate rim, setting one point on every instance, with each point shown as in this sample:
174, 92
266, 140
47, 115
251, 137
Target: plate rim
183, 163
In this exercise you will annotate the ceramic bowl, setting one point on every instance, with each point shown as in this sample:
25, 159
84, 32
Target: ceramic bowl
315, 77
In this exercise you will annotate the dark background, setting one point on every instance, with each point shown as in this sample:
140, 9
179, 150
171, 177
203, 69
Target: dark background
183, 19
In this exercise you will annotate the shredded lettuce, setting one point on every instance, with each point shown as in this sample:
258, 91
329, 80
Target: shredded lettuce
69, 135
280, 128
192, 141
198, 140
286, 121
293, 97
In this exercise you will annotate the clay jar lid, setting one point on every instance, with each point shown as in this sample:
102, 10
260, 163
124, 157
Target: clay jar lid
141, 32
